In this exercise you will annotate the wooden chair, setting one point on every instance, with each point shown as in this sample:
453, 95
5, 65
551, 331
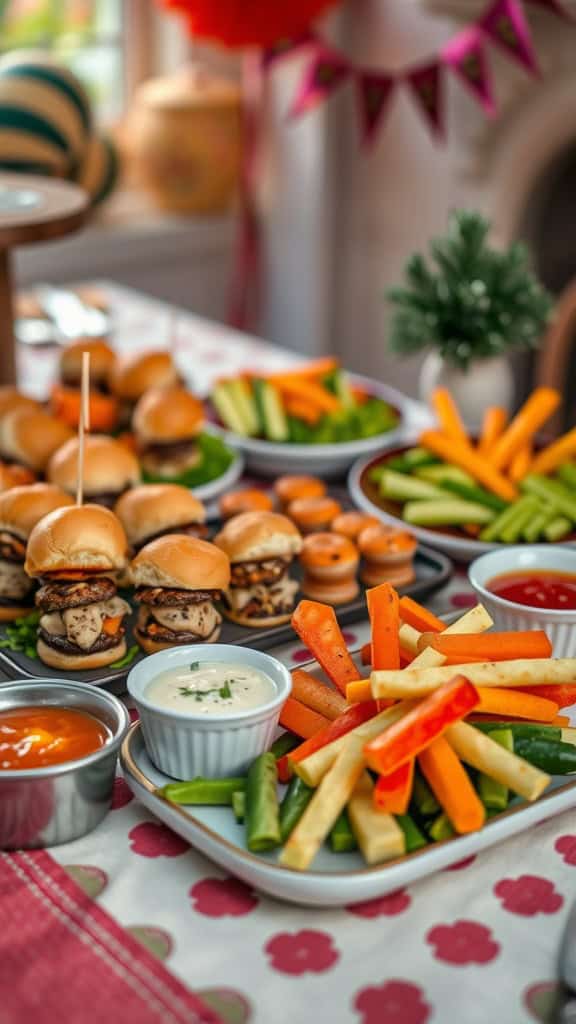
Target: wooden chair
554, 357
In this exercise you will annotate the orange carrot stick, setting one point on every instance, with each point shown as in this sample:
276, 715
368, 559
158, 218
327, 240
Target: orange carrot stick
488, 646
315, 368
382, 604
451, 786
563, 696
492, 427
358, 691
301, 409
448, 416
555, 454
317, 626
520, 464
308, 391
563, 720
366, 656
466, 458
299, 719
415, 615
317, 695
500, 701
527, 422
392, 793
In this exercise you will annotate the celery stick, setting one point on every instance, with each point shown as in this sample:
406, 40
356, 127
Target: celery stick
535, 526
493, 531
419, 457
442, 474
552, 492
446, 512
474, 493
494, 795
413, 837
557, 529
527, 508
399, 487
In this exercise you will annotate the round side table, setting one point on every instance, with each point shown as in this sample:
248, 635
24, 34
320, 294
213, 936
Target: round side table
32, 210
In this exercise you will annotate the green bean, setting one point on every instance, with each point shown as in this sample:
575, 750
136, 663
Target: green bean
424, 800
440, 829
296, 799
216, 792
284, 744
342, 838
414, 839
262, 812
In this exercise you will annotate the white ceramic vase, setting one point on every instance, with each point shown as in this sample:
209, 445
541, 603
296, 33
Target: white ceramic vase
487, 382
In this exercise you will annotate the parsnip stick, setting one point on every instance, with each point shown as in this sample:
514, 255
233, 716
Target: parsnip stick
478, 750
417, 682
476, 620
313, 768
409, 638
378, 835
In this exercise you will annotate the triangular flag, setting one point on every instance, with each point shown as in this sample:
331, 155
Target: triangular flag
326, 70
374, 94
286, 47
505, 23
465, 55
426, 83
554, 6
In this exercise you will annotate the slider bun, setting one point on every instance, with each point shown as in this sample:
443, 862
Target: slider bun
8, 613
257, 622
31, 436
330, 591
328, 556
11, 398
102, 359
22, 507
164, 415
78, 662
108, 465
386, 545
288, 488
14, 476
181, 562
151, 508
132, 375
248, 500
259, 535
150, 646
85, 537
312, 514
351, 524
372, 575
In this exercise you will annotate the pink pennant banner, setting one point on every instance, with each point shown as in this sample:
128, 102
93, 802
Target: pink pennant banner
554, 6
326, 71
287, 47
374, 93
506, 25
465, 55
426, 84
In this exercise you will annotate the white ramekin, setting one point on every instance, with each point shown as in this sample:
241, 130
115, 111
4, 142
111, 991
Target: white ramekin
559, 625
183, 744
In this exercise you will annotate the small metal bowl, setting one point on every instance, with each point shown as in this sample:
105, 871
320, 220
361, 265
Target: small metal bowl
44, 806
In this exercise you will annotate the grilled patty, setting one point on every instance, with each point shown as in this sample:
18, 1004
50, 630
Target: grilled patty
243, 574
61, 643
167, 596
54, 596
163, 635
12, 548
169, 449
190, 529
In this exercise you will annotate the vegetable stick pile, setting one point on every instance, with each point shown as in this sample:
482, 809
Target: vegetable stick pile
409, 755
498, 489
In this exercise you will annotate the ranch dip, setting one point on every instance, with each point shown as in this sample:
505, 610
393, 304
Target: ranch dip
211, 688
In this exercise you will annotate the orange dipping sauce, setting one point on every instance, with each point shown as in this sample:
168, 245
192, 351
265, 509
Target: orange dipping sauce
537, 588
39, 736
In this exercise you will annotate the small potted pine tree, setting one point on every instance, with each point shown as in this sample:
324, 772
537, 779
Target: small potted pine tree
470, 305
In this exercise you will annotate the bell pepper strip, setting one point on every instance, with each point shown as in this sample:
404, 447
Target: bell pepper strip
489, 646
392, 793
350, 719
499, 701
451, 786
317, 626
405, 739
526, 423
382, 602
317, 695
481, 468
478, 750
413, 614
302, 720
449, 418
563, 696
493, 426
415, 682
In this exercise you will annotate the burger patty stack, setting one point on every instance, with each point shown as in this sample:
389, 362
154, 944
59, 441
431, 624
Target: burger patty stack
166, 425
21, 508
102, 363
156, 510
261, 547
110, 469
178, 578
76, 553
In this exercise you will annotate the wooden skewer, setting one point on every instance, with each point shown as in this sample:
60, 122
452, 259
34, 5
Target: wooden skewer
83, 425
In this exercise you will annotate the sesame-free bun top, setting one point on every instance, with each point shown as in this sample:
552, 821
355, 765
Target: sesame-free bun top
289, 488
14, 476
11, 398
134, 374
250, 499
181, 562
109, 466
165, 415
151, 508
328, 550
22, 507
102, 359
80, 537
31, 436
259, 535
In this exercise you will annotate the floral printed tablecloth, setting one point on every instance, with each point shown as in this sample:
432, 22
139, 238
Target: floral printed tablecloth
474, 943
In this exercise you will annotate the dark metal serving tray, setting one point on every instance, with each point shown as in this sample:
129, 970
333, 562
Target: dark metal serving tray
433, 570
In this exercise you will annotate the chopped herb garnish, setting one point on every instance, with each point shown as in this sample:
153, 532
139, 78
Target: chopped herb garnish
194, 666
225, 692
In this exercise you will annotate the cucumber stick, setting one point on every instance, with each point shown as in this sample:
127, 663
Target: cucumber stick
241, 394
398, 487
471, 492
444, 474
553, 493
343, 390
271, 411
446, 512
232, 416
494, 795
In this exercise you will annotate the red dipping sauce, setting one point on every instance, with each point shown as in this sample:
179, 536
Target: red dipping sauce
537, 588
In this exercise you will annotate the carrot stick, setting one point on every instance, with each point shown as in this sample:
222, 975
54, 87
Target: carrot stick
562, 720
414, 614
382, 604
492, 427
563, 696
308, 391
555, 454
392, 793
350, 719
317, 695
499, 701
317, 626
526, 423
488, 646
451, 786
301, 409
466, 458
406, 657
448, 415
315, 368
297, 718
520, 464
406, 738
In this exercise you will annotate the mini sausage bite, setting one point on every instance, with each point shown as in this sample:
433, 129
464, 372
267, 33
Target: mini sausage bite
248, 500
351, 524
388, 556
330, 562
313, 515
290, 488
261, 547
177, 580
